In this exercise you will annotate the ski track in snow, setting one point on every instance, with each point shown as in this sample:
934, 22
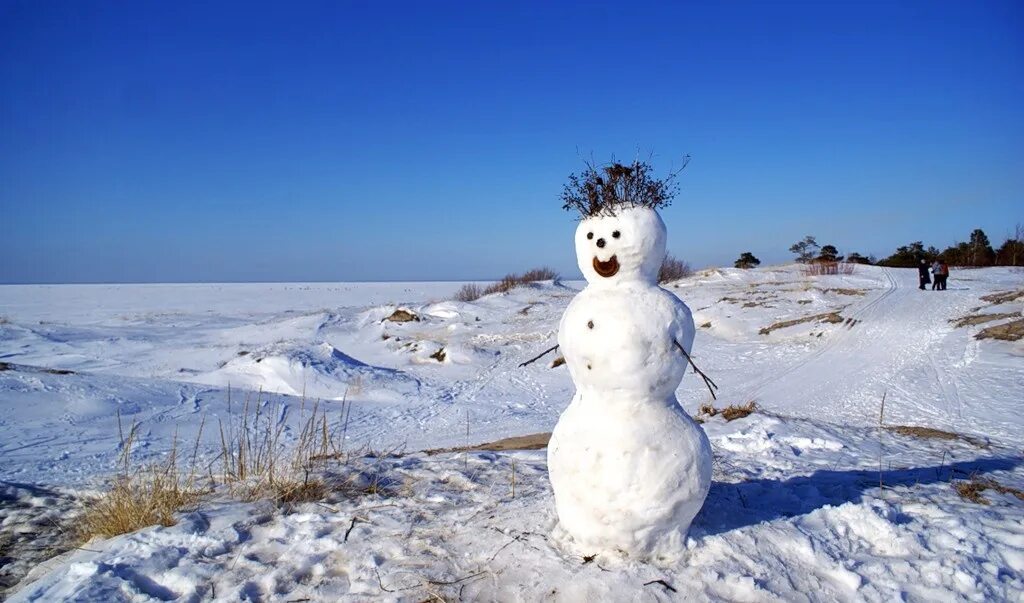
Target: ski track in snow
795, 511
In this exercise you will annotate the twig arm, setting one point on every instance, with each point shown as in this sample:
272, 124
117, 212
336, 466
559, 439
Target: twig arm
708, 382
539, 356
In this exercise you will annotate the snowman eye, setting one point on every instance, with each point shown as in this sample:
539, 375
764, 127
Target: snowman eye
615, 234
590, 235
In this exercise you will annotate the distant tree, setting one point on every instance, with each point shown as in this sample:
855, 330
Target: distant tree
957, 254
805, 250
829, 253
907, 256
673, 269
747, 260
856, 258
980, 252
1011, 252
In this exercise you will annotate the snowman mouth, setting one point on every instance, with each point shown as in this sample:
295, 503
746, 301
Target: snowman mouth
608, 268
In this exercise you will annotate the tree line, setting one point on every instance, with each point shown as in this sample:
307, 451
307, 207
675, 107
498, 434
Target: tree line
977, 251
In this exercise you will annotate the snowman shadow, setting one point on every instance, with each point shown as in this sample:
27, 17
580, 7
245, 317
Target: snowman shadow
732, 506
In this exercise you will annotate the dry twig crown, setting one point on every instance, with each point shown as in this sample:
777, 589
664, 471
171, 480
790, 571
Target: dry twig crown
603, 190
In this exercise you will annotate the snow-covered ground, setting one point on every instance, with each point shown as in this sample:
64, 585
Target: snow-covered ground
795, 512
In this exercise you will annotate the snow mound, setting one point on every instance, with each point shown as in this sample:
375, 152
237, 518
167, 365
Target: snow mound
318, 371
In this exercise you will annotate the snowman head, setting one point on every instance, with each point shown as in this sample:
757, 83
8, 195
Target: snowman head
625, 246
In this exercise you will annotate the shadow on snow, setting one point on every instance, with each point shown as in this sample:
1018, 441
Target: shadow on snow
736, 505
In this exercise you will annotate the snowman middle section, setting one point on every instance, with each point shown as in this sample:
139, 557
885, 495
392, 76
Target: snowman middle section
629, 468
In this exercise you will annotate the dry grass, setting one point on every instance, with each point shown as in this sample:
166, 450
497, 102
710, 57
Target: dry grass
827, 317
977, 319
141, 497
844, 291
150, 497
971, 489
1003, 297
255, 463
511, 281
534, 441
401, 315
824, 268
1010, 331
729, 413
930, 433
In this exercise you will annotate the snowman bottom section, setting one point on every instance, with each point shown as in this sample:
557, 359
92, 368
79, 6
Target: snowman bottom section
628, 475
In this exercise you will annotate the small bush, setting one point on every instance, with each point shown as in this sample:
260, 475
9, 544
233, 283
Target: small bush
469, 292
673, 269
539, 274
747, 261
511, 281
506, 284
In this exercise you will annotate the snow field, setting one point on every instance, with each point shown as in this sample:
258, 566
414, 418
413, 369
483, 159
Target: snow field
795, 510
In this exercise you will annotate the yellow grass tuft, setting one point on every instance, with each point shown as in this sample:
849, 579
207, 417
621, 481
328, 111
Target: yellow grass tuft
971, 489
140, 497
729, 413
930, 433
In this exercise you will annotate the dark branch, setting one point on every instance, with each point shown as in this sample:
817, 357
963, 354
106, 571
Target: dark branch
541, 355
661, 582
707, 380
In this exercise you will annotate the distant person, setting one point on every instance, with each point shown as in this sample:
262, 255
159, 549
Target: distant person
943, 275
936, 272
922, 273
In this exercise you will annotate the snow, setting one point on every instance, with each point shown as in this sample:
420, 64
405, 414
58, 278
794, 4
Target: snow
629, 468
795, 510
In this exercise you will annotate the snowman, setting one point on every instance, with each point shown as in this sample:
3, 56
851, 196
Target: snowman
629, 468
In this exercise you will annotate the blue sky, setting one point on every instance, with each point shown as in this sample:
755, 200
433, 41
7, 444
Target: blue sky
159, 141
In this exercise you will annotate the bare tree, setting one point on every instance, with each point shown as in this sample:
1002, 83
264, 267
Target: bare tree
805, 250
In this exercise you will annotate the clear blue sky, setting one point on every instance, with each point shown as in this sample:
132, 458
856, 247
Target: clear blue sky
171, 141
